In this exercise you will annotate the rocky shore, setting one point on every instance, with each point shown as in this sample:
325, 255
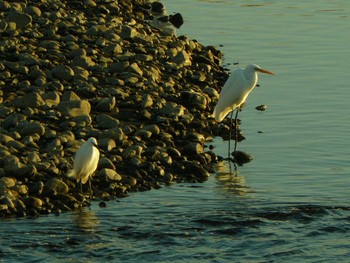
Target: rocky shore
70, 70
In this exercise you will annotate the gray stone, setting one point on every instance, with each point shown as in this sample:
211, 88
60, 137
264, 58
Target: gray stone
5, 111
20, 19
147, 101
106, 144
192, 149
8, 182
134, 68
33, 11
143, 134
106, 104
105, 162
81, 73
62, 72
182, 59
132, 151
51, 98
111, 174
172, 110
16, 145
118, 66
74, 108
105, 121
55, 186
30, 100
153, 128
70, 96
83, 62
33, 128
128, 32
113, 49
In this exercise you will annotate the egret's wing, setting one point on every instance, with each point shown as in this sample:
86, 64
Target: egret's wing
91, 165
230, 96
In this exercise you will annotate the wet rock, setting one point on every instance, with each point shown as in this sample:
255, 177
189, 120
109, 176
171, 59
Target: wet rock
34, 202
195, 169
261, 107
5, 200
242, 157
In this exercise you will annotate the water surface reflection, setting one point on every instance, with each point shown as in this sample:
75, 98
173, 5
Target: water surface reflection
230, 181
86, 220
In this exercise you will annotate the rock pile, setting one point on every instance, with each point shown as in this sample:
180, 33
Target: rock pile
70, 70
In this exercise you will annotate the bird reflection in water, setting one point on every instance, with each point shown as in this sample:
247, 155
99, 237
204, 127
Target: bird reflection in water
230, 181
86, 220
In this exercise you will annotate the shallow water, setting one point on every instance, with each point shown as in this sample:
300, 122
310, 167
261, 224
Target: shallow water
291, 203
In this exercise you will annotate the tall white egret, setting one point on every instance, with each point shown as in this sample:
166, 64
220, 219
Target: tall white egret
85, 163
235, 92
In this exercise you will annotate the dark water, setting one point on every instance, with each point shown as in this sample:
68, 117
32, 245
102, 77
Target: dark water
290, 204
221, 220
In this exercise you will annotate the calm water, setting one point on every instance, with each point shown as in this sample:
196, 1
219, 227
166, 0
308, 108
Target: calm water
291, 203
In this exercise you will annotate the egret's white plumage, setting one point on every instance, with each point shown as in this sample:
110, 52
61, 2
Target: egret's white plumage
85, 161
236, 90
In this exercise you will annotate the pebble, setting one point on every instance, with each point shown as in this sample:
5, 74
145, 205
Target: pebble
261, 107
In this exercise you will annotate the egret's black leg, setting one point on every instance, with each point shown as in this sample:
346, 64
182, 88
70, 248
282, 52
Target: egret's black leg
236, 135
229, 137
90, 187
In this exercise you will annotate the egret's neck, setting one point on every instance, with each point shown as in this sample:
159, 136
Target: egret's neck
251, 76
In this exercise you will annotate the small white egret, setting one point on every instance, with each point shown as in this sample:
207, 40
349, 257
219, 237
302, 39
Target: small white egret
85, 163
234, 94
